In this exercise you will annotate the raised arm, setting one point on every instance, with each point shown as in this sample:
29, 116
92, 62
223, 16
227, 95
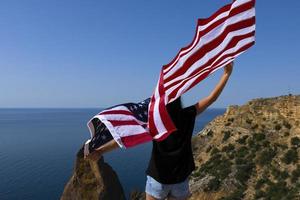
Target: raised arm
207, 101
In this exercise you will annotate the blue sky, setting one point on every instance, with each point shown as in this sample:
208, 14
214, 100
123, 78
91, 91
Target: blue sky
98, 53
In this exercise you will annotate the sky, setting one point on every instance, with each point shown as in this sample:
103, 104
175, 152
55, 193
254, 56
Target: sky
98, 53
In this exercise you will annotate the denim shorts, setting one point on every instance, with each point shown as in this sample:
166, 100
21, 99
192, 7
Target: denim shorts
161, 191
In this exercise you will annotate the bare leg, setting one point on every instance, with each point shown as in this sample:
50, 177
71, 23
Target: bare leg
109, 146
149, 197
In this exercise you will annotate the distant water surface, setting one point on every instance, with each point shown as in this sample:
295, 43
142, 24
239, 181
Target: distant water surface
38, 148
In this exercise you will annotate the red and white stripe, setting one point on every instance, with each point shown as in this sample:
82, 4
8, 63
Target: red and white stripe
219, 39
125, 128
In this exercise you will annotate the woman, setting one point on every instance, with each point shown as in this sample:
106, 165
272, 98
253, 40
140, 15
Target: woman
172, 160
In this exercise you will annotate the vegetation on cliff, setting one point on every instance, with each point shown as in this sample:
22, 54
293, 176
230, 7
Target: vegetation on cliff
251, 152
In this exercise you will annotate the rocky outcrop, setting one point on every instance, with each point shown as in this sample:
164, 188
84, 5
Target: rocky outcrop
93, 180
250, 152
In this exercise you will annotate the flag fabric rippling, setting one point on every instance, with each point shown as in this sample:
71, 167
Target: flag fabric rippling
219, 39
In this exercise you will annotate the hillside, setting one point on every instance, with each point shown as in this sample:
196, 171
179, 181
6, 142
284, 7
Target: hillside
251, 152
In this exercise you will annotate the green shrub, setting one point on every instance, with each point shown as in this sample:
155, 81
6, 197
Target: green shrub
259, 137
277, 191
228, 124
259, 194
266, 156
255, 126
279, 175
242, 140
277, 127
231, 155
217, 166
241, 161
282, 146
213, 185
252, 155
244, 172
251, 142
295, 174
287, 125
214, 151
196, 174
266, 143
236, 195
260, 183
255, 146
291, 156
286, 134
227, 135
295, 141
230, 119
283, 175
224, 169
242, 152
228, 148
249, 121
215, 159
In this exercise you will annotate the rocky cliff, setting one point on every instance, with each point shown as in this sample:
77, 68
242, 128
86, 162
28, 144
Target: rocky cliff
251, 152
92, 180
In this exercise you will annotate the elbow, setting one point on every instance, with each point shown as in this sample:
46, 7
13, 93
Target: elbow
214, 99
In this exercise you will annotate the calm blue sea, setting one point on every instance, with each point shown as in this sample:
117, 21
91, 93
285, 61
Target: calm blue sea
38, 148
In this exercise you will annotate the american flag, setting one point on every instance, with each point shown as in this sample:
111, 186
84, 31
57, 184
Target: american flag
219, 39
126, 123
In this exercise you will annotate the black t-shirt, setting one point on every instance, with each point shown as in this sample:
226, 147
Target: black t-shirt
172, 159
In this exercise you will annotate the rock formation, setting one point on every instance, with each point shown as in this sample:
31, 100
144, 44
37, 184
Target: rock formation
93, 180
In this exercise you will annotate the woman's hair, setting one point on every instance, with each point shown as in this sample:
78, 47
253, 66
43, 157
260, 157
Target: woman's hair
174, 109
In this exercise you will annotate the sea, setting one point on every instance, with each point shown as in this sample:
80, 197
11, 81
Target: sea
38, 149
